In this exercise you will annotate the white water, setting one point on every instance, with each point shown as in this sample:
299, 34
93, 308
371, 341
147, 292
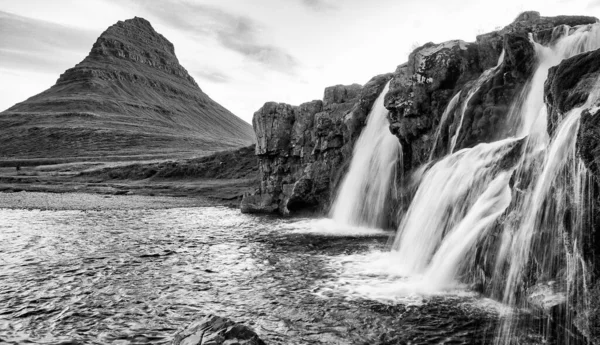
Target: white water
365, 191
445, 195
562, 145
449, 108
461, 197
488, 207
463, 202
517, 239
531, 116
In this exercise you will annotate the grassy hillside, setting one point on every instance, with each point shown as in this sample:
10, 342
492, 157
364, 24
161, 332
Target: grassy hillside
128, 98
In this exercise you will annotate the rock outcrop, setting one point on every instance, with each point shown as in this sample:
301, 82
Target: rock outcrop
422, 88
303, 150
216, 330
129, 96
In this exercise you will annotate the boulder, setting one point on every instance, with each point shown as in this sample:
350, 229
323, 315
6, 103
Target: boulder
216, 330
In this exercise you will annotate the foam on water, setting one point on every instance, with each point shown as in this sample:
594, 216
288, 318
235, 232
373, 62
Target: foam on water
330, 227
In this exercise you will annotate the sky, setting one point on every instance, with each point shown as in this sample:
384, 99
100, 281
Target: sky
243, 53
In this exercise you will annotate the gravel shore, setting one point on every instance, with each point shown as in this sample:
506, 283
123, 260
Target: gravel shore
85, 201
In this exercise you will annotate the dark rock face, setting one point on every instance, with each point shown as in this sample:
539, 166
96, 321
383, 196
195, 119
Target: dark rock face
129, 95
567, 87
215, 330
422, 88
303, 150
569, 84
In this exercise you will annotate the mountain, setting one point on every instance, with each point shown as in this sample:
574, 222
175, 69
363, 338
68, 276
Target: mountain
128, 98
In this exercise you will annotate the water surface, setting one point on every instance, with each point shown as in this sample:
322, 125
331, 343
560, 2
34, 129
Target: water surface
137, 276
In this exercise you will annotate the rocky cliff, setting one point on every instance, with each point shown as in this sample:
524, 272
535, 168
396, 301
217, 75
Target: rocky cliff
303, 151
129, 96
485, 75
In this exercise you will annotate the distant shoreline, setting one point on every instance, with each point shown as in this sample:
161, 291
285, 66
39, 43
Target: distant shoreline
92, 202
220, 179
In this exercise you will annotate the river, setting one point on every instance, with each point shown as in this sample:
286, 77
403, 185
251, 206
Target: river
137, 276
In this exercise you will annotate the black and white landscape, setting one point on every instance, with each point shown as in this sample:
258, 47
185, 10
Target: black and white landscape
452, 199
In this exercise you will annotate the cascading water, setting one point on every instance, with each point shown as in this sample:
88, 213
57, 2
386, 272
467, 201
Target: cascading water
558, 190
488, 207
463, 196
445, 195
449, 108
507, 215
361, 200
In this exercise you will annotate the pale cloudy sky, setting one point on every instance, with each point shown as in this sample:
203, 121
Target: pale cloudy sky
243, 53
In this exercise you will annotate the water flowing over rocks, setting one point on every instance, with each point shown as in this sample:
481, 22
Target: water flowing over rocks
304, 150
567, 87
422, 88
129, 96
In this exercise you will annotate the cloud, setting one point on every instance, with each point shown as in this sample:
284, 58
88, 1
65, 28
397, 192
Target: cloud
318, 5
240, 36
32, 44
593, 4
233, 32
213, 76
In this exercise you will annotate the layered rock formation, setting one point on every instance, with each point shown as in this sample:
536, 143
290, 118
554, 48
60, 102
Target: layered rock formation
129, 96
303, 150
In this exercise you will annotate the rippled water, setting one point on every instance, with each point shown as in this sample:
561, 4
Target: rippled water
136, 276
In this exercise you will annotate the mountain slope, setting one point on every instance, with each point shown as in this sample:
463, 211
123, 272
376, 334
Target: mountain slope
129, 96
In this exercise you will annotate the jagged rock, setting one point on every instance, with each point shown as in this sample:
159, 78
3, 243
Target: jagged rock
421, 89
129, 96
216, 330
569, 84
302, 150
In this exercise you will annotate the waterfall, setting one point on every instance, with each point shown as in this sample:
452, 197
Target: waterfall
449, 108
448, 258
558, 190
445, 195
362, 196
462, 196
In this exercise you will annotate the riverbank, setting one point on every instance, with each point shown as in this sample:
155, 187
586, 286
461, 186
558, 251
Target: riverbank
220, 179
87, 201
